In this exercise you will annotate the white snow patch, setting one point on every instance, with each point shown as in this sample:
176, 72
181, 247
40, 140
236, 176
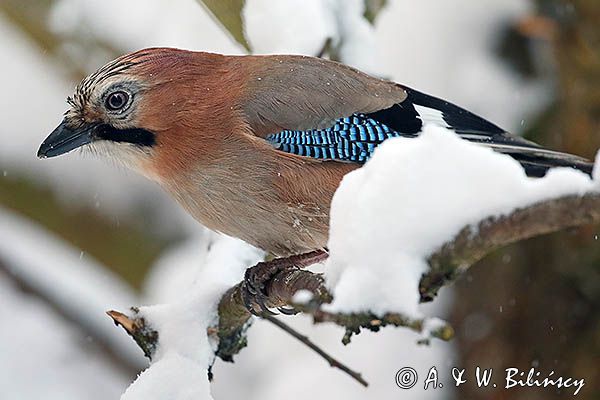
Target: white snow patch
302, 296
137, 24
287, 27
179, 269
341, 21
432, 325
180, 365
409, 199
355, 36
172, 377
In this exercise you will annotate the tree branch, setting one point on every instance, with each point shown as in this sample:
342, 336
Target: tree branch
457, 255
473, 243
470, 245
310, 344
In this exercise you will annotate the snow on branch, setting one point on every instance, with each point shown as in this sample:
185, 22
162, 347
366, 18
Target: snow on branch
418, 214
446, 264
471, 245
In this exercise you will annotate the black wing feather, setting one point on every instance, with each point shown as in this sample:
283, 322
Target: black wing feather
354, 138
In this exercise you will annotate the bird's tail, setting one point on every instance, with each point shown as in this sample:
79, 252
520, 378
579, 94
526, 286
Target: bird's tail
535, 159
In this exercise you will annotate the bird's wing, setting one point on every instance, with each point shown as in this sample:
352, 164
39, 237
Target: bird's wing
354, 138
303, 93
349, 120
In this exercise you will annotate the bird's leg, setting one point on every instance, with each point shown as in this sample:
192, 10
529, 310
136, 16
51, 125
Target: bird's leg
258, 276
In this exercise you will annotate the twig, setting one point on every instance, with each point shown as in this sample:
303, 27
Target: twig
355, 321
326, 47
233, 315
136, 327
304, 339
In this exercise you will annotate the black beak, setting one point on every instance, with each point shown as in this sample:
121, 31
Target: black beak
64, 139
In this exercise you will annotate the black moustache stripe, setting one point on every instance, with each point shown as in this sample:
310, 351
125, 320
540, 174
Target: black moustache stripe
140, 137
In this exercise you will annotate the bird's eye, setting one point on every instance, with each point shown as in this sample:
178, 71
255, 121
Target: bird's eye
117, 100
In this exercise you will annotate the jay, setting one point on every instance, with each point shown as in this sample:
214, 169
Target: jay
255, 146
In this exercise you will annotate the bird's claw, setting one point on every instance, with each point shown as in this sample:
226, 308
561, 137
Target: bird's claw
287, 311
256, 279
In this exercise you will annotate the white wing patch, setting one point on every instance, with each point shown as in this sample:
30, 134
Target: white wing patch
431, 116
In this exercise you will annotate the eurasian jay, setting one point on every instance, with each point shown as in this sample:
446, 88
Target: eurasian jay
255, 146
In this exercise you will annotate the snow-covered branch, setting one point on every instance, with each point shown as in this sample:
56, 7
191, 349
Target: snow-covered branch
472, 244
423, 211
453, 258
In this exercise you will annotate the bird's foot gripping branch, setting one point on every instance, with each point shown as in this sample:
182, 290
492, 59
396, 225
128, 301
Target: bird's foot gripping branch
257, 278
415, 225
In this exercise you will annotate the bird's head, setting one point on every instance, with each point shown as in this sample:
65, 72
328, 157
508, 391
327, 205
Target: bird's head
141, 107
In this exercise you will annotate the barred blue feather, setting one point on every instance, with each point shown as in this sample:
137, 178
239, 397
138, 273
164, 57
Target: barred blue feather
354, 138
351, 139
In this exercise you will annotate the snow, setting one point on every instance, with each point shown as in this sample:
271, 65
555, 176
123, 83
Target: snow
355, 36
179, 368
436, 49
287, 27
317, 20
302, 297
409, 199
260, 371
431, 325
376, 257
138, 23
173, 377
177, 270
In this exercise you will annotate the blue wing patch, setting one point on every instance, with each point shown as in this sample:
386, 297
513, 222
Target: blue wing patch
351, 139
354, 138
